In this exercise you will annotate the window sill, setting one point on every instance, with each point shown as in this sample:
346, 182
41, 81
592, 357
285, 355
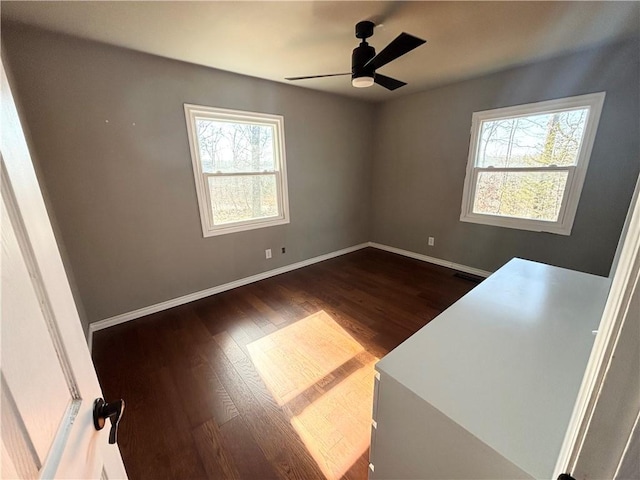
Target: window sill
241, 227
518, 224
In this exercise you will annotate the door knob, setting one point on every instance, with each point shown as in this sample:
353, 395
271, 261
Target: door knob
103, 410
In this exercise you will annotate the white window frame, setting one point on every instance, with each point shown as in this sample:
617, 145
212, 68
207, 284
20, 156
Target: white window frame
576, 173
201, 178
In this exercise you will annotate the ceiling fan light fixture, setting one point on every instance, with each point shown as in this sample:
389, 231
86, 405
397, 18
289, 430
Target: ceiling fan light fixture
362, 82
365, 62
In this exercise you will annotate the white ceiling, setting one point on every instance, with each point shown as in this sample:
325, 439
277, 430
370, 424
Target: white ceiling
274, 40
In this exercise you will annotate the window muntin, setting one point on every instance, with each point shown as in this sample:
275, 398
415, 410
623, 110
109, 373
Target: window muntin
527, 163
239, 167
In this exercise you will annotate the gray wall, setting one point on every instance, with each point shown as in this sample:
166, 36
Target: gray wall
124, 199
421, 156
124, 194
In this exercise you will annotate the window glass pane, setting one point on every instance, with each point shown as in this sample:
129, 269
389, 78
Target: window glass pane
243, 197
228, 147
532, 141
530, 195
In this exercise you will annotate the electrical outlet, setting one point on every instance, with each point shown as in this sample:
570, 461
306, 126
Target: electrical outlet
284, 250
432, 241
267, 253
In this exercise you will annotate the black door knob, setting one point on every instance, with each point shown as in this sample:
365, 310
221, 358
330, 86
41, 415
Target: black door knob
103, 410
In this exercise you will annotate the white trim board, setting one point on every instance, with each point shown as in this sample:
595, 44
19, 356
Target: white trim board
435, 261
174, 302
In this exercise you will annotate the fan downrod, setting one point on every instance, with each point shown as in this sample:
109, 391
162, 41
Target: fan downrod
364, 29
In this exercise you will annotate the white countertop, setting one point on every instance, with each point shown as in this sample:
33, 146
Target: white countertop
506, 361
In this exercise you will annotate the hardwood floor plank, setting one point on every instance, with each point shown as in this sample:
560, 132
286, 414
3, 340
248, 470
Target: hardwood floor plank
239, 298
184, 461
268, 425
139, 389
251, 377
360, 468
270, 295
212, 448
270, 380
224, 409
229, 346
203, 395
371, 317
249, 458
272, 314
269, 329
231, 380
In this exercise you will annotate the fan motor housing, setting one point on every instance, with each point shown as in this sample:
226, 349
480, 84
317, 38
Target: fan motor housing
360, 56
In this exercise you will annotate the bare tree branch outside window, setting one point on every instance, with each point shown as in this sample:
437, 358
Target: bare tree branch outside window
541, 140
242, 154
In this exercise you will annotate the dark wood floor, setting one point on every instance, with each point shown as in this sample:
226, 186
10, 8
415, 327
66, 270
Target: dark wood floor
213, 388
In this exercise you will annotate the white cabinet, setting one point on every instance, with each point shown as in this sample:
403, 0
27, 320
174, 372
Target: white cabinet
487, 388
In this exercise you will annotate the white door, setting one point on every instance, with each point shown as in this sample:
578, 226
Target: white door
48, 381
602, 438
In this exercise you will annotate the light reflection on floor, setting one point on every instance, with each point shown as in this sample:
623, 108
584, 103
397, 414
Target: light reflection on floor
323, 379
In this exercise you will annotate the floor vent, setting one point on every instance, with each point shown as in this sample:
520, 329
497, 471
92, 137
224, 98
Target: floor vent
469, 277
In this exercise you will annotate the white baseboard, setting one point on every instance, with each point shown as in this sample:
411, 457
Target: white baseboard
174, 302
435, 261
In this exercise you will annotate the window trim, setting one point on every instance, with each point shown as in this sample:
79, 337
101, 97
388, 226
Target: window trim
576, 173
201, 178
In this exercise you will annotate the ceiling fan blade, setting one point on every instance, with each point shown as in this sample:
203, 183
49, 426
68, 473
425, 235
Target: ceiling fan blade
388, 82
318, 76
402, 44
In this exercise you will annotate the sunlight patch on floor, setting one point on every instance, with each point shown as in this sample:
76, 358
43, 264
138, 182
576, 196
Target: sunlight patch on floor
298, 356
336, 428
323, 379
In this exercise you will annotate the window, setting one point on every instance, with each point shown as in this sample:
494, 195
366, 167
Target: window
527, 163
239, 168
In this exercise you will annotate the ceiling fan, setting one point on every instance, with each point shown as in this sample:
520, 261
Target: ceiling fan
365, 62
